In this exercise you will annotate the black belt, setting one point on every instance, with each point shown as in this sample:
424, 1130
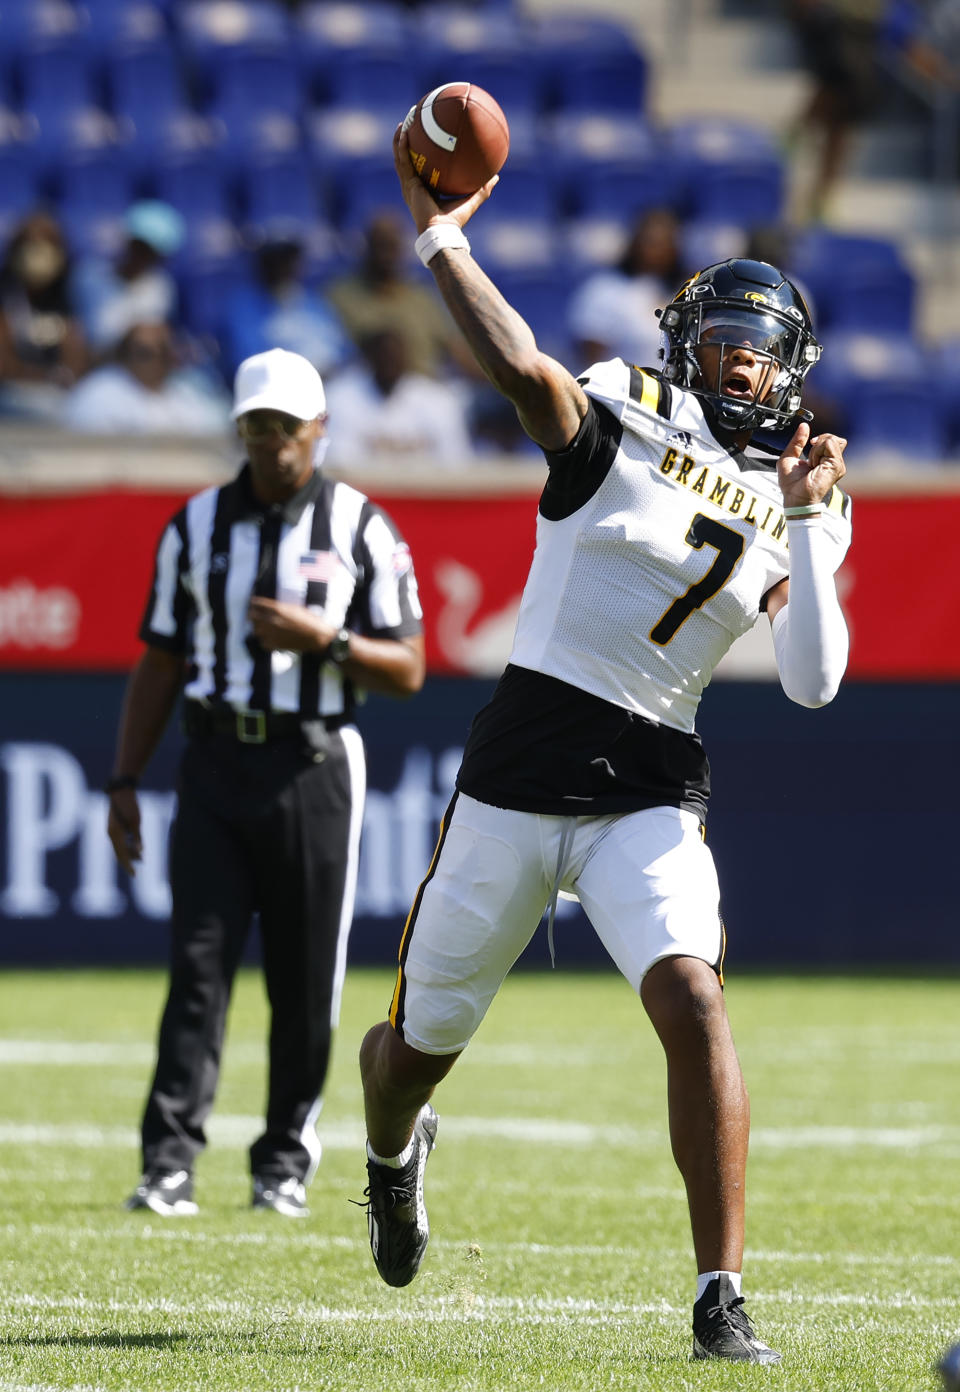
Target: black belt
253, 726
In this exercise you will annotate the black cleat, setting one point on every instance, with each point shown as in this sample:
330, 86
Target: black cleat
282, 1193
396, 1213
721, 1328
168, 1194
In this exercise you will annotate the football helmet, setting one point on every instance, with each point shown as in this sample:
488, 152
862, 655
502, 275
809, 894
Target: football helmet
740, 302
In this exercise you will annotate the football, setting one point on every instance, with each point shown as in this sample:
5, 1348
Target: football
459, 139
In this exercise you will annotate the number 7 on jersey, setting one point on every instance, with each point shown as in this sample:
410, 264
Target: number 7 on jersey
728, 544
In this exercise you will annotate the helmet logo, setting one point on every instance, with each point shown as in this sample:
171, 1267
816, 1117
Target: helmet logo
755, 295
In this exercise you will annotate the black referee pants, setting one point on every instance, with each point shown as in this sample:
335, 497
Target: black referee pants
270, 828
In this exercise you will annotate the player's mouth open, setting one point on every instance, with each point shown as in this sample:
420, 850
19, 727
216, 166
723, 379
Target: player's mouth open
738, 384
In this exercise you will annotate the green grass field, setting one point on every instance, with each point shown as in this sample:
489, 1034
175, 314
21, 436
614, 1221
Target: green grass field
560, 1255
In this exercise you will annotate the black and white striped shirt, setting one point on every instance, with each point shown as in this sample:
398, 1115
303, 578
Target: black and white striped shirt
328, 548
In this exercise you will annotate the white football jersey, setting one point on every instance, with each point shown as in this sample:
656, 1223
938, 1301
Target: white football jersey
636, 595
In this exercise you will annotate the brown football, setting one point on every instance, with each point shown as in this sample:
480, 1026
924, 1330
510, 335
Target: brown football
459, 138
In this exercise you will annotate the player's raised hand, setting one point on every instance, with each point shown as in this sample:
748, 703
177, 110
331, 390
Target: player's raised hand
424, 208
808, 479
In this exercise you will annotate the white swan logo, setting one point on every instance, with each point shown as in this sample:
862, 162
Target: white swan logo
484, 649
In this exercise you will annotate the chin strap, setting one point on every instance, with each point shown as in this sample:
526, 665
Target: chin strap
810, 635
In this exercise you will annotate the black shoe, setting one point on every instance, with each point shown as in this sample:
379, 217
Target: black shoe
168, 1194
283, 1193
396, 1213
721, 1328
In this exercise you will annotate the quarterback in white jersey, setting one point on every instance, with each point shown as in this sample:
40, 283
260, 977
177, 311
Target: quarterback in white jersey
662, 534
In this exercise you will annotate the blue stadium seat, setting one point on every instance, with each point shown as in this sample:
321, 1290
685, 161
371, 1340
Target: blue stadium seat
75, 133
114, 25
254, 138
607, 166
517, 243
20, 186
622, 190
748, 192
455, 44
893, 415
378, 80
26, 23
91, 231
205, 289
727, 171
247, 80
589, 64
146, 89
355, 202
56, 77
283, 188
95, 180
326, 31
195, 183
872, 299
542, 300
591, 243
329, 26
866, 357
527, 189
213, 31
346, 141
823, 259
706, 242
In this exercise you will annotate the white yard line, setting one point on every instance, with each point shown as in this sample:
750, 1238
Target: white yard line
185, 1230
465, 1307
544, 1131
830, 1047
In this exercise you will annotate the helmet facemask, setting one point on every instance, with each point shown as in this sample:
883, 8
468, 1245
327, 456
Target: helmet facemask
774, 335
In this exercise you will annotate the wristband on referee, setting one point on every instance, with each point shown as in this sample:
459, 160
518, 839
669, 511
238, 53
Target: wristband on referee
121, 781
793, 514
442, 236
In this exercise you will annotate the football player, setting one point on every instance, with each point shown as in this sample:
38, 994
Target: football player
661, 536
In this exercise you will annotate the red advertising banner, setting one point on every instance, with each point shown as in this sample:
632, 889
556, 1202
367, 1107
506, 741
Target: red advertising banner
74, 573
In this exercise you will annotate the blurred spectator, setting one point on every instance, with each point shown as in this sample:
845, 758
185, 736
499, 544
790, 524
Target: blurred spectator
135, 288
145, 391
934, 47
380, 295
613, 313
277, 310
495, 428
838, 43
382, 411
42, 346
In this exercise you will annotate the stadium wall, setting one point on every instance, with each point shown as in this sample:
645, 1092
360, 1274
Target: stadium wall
833, 830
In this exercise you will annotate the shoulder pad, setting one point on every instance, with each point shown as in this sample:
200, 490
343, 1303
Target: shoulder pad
608, 383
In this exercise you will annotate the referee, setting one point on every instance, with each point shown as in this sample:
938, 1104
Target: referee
274, 599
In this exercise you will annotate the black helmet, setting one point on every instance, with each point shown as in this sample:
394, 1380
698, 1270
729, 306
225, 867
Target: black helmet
731, 299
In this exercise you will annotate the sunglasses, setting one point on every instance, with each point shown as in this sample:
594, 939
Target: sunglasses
257, 425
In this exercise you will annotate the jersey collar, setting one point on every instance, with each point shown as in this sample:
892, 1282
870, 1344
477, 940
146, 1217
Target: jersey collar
249, 507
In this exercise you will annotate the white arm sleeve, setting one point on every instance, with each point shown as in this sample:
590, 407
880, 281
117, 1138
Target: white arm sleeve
809, 633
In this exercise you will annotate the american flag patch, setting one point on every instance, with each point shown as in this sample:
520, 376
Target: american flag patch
319, 565
402, 560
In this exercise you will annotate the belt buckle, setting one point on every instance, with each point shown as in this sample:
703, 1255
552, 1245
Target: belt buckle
252, 726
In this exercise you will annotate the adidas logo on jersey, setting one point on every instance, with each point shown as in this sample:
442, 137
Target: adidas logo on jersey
680, 437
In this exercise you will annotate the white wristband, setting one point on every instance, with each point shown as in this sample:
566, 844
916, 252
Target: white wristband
442, 236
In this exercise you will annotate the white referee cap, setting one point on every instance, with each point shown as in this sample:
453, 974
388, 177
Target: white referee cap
279, 381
